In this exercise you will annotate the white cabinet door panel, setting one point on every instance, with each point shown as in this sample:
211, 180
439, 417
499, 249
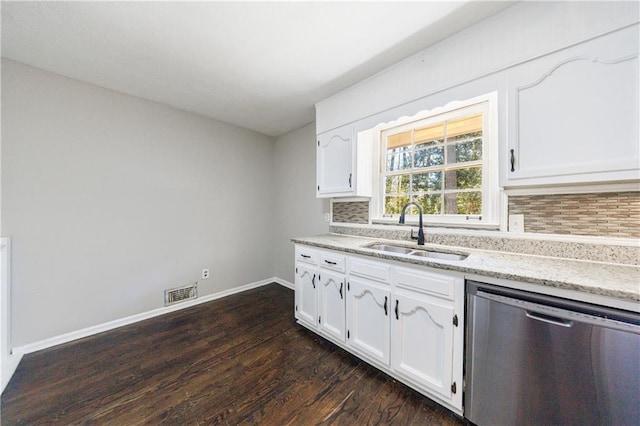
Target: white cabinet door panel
331, 318
368, 308
422, 341
306, 309
574, 115
335, 162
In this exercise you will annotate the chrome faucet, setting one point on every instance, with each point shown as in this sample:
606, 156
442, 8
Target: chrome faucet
420, 231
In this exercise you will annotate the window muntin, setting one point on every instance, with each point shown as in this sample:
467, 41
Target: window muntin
437, 162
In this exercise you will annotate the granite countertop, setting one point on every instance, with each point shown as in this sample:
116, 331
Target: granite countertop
599, 278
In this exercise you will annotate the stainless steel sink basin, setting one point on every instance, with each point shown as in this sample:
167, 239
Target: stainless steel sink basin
431, 254
392, 249
438, 255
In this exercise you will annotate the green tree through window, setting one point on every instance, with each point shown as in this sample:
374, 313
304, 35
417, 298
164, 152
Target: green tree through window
437, 166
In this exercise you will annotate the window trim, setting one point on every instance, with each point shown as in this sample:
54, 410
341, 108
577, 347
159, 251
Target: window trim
491, 195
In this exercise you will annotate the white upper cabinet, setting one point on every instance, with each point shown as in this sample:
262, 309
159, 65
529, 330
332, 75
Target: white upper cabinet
339, 173
573, 115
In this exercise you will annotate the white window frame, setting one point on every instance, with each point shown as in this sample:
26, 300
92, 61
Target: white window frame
491, 195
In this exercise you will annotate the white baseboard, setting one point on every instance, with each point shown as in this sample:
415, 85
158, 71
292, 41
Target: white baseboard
89, 331
9, 365
284, 283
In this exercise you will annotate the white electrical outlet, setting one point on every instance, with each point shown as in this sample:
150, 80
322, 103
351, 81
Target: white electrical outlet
516, 223
327, 217
205, 274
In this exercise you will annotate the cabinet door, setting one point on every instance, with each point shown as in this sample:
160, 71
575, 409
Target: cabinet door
368, 309
335, 174
306, 299
331, 318
573, 115
422, 341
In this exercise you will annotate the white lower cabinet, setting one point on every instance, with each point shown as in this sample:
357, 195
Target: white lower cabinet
332, 290
406, 320
368, 306
320, 292
422, 340
424, 328
306, 309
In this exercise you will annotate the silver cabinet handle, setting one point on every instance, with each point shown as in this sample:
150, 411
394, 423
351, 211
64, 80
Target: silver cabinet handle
548, 319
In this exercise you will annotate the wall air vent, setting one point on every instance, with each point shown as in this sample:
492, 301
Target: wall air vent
180, 294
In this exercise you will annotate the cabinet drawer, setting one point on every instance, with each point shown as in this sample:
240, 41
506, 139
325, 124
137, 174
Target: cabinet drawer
368, 269
426, 282
307, 255
332, 261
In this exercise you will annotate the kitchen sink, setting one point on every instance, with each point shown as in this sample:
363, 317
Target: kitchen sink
392, 249
430, 254
438, 255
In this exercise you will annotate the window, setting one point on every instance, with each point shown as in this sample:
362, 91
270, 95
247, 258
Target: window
442, 162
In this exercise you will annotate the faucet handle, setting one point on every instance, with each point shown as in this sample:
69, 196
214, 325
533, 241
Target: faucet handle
419, 237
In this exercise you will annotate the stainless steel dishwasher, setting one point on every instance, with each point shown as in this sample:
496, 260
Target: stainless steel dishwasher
541, 360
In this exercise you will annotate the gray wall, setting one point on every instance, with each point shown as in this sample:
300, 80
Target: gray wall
298, 212
111, 199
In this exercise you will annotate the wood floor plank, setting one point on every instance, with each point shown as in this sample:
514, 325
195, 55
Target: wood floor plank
386, 406
407, 415
365, 391
307, 394
237, 360
301, 383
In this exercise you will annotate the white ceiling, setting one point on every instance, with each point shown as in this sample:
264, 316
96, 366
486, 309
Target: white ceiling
258, 65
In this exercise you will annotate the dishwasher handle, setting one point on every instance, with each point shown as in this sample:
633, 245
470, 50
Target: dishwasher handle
549, 319
558, 315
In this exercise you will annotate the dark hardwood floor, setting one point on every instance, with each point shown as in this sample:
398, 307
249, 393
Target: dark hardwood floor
237, 360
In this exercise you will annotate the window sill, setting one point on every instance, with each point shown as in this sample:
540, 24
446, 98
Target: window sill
430, 224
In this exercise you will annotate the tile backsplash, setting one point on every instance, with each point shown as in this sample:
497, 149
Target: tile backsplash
613, 214
351, 212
